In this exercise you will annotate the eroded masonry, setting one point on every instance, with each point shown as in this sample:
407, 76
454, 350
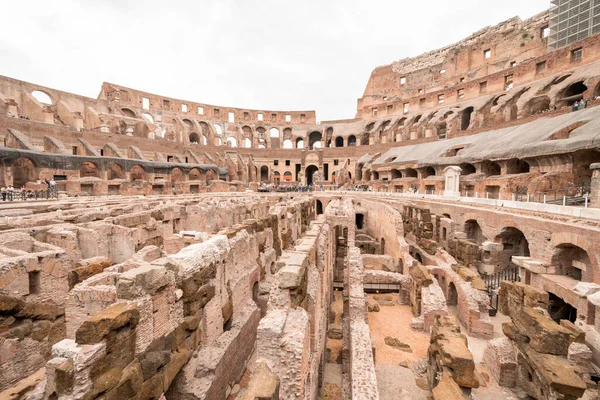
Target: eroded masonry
449, 248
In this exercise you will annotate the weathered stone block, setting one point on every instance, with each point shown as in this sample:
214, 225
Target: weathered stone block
97, 327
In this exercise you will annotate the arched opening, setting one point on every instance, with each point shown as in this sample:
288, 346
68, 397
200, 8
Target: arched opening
128, 112
474, 232
360, 220
247, 143
490, 168
417, 119
23, 172
89, 170
514, 243
516, 166
537, 105
467, 169
572, 93
176, 175
339, 141
310, 170
429, 171
276, 177
210, 175
319, 207
262, 144
442, 130
364, 140
231, 142
314, 138
452, 297
188, 123
274, 133
148, 117
573, 261
351, 141
115, 172
204, 128
42, 97
137, 173
264, 173
396, 174
287, 176
287, 144
218, 129
194, 138
299, 143
418, 257
194, 174
375, 175
465, 119
410, 173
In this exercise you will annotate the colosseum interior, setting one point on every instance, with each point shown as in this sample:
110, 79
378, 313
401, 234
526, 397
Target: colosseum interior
443, 244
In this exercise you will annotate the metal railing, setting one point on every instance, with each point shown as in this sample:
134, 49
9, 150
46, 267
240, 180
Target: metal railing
493, 282
572, 195
24, 195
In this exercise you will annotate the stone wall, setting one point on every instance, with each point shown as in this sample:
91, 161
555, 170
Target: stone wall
541, 347
449, 354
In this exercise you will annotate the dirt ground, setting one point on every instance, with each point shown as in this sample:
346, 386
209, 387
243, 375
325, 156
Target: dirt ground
395, 321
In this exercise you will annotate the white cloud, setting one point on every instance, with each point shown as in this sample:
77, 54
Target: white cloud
268, 54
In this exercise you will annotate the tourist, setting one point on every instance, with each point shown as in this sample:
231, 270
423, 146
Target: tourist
3, 191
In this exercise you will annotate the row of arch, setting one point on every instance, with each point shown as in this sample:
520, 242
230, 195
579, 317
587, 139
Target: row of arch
24, 170
571, 259
488, 168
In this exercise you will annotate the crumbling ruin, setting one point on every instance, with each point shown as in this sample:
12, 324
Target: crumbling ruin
444, 243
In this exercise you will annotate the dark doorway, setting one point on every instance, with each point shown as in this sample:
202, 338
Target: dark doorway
559, 309
310, 170
319, 207
360, 220
452, 299
264, 173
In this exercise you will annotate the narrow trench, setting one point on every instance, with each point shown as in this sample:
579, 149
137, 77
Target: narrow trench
331, 388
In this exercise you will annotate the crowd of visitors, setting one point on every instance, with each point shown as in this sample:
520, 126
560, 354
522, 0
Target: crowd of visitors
274, 187
20, 116
9, 193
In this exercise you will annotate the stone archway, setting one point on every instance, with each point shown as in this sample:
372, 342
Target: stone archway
23, 172
452, 296
137, 173
88, 170
310, 170
264, 173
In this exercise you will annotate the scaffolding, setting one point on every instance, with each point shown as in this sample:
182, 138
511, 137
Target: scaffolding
572, 21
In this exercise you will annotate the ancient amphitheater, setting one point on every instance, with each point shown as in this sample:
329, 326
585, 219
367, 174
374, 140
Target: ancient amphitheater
449, 248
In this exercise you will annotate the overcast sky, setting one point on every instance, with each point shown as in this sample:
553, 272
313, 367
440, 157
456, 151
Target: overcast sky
258, 54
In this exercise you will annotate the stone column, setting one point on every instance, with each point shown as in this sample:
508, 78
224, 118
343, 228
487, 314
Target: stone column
595, 185
452, 176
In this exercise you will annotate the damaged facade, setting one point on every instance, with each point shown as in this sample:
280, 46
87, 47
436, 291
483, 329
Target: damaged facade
469, 267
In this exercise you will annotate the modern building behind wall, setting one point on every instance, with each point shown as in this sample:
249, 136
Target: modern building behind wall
572, 21
449, 248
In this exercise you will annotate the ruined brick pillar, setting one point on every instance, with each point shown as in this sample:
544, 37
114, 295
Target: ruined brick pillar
595, 185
